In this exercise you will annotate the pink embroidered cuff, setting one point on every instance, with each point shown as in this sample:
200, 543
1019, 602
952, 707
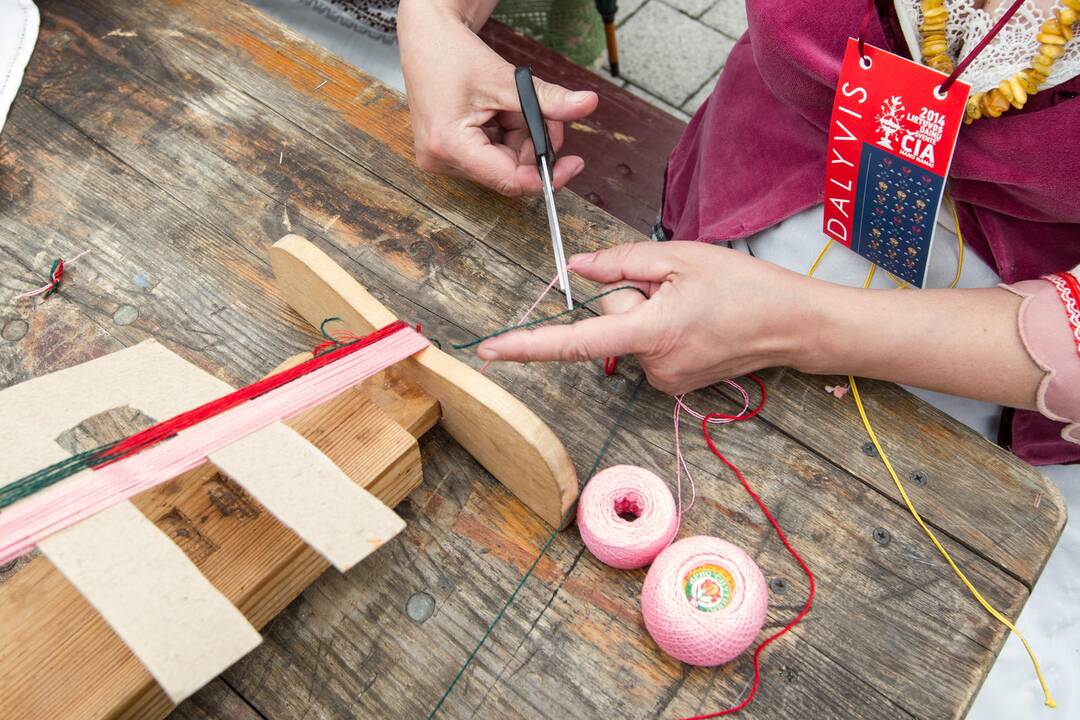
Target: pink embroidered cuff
1049, 323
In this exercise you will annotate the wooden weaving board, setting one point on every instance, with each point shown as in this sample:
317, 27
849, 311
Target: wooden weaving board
61, 660
67, 662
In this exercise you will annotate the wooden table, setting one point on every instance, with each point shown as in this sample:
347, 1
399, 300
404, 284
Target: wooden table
177, 141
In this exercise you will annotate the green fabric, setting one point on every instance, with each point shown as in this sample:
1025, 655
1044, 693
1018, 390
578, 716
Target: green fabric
569, 27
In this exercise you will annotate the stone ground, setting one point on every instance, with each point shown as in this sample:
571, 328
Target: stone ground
677, 82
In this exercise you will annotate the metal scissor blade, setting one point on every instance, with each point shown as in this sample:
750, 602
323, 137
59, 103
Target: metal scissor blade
556, 233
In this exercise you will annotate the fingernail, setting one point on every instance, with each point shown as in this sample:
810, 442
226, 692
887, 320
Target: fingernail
487, 353
578, 98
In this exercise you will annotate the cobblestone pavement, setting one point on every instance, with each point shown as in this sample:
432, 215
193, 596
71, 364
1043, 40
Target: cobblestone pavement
676, 80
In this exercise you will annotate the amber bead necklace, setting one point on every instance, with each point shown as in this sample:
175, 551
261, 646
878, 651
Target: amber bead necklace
1012, 91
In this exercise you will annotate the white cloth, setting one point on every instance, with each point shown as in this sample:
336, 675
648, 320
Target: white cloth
1051, 619
19, 23
359, 46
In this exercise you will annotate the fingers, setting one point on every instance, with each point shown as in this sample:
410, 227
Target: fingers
495, 168
598, 337
516, 135
566, 169
643, 261
558, 103
622, 302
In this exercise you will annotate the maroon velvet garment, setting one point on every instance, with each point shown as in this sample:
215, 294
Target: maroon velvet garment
754, 154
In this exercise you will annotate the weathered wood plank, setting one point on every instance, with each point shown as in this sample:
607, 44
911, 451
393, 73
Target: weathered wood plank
477, 270
216, 701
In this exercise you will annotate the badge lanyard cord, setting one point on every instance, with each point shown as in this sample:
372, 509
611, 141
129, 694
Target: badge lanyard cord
963, 64
900, 486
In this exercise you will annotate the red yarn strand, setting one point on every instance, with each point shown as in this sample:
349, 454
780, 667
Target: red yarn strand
163, 430
783, 539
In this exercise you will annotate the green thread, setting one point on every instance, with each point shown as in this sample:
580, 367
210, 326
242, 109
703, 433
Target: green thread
324, 333
55, 283
548, 318
47, 476
551, 538
30, 484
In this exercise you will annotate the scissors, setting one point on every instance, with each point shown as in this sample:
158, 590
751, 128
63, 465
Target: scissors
545, 163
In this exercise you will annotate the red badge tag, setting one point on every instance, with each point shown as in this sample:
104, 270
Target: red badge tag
891, 140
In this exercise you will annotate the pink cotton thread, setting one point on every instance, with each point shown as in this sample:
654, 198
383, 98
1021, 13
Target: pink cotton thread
680, 463
29, 520
525, 315
626, 516
704, 600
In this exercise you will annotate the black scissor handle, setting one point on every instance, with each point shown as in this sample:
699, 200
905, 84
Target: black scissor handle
534, 118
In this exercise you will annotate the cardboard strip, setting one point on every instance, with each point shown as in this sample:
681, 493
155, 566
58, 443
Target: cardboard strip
307, 492
179, 626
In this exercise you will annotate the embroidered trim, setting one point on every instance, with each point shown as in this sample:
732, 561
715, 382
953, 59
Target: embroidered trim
1069, 291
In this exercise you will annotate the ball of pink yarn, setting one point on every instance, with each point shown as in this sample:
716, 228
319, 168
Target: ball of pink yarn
704, 600
626, 515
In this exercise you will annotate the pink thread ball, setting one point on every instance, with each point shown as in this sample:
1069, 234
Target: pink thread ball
704, 600
626, 516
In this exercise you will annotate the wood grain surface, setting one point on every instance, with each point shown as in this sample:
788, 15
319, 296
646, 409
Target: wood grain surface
179, 153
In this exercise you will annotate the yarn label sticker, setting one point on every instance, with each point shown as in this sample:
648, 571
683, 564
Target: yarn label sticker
708, 588
891, 140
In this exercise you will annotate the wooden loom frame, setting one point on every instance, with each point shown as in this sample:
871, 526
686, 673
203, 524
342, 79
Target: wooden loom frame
65, 661
497, 429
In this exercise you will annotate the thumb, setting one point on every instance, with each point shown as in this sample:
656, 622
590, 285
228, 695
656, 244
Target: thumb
556, 102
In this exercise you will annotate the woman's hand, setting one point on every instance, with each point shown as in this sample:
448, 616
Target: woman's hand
707, 313
466, 115
713, 313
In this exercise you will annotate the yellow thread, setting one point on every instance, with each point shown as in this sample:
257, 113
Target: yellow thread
821, 255
959, 245
907, 501
945, 553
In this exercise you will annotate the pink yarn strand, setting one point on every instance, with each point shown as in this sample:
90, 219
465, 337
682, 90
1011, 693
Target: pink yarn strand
26, 522
680, 462
525, 315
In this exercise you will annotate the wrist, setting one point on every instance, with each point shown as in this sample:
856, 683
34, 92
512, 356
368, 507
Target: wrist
818, 344
470, 13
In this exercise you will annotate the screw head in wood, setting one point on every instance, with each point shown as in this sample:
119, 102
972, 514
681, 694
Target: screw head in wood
918, 477
420, 606
882, 536
125, 315
869, 449
778, 585
15, 330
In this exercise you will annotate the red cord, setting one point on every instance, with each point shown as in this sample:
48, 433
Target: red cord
962, 65
163, 430
863, 26
783, 539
